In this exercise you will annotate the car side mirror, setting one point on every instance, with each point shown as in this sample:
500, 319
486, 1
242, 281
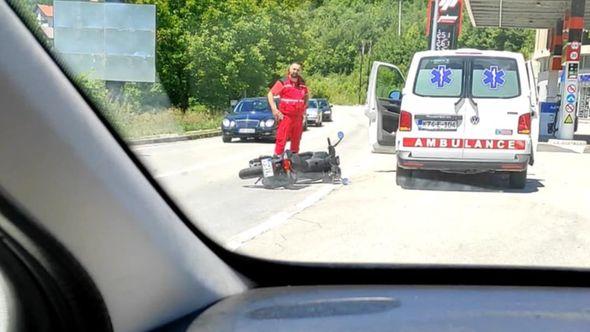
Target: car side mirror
395, 95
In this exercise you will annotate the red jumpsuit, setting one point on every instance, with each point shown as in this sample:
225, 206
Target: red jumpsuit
292, 105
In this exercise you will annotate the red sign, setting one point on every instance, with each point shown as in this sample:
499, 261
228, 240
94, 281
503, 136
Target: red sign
575, 45
571, 88
569, 108
571, 54
458, 143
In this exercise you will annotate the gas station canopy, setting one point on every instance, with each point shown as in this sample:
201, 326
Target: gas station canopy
538, 14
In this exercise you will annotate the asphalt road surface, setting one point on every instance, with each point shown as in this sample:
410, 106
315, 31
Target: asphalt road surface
446, 219
203, 176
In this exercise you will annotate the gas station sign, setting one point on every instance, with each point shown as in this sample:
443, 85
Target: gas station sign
565, 123
572, 70
571, 53
448, 23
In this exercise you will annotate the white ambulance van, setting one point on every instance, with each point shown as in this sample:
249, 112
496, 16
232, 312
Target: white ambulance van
460, 111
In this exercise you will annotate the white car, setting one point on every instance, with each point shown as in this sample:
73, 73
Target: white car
461, 111
314, 113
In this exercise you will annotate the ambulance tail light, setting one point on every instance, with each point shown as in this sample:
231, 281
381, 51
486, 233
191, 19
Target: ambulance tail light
524, 124
405, 121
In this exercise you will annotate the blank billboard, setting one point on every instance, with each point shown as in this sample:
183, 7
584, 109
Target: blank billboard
107, 41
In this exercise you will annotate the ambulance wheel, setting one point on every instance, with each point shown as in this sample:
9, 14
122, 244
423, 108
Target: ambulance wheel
403, 176
226, 139
517, 179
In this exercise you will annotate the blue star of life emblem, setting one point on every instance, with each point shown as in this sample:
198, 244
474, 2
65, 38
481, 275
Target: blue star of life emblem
440, 76
493, 77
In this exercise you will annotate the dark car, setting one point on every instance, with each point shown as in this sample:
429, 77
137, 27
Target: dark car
251, 118
326, 109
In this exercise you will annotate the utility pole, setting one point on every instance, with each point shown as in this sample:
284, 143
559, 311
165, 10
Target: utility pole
434, 26
399, 18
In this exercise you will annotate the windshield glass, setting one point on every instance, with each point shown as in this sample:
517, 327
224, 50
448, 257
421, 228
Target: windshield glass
494, 78
252, 106
466, 145
440, 77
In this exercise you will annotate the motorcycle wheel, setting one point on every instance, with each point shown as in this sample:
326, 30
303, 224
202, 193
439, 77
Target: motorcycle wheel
251, 172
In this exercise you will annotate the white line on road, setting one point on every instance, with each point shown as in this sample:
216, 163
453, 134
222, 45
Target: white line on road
237, 241
277, 220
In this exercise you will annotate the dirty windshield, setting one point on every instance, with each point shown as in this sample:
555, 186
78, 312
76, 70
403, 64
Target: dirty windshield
449, 132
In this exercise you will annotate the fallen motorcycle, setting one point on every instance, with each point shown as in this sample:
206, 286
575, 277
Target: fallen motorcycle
289, 168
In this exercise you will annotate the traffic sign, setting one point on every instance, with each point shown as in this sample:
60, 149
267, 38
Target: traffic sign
568, 119
571, 98
574, 55
575, 45
569, 108
571, 88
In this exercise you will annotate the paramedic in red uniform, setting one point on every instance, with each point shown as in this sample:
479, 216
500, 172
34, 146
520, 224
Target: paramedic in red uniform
294, 96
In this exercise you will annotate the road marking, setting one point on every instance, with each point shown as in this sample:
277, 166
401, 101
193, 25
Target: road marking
281, 218
235, 242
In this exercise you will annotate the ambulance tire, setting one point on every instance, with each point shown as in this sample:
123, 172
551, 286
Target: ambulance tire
403, 177
517, 180
226, 139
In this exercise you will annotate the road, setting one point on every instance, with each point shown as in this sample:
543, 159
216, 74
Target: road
446, 219
203, 176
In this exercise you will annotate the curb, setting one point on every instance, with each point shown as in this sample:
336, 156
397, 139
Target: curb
191, 135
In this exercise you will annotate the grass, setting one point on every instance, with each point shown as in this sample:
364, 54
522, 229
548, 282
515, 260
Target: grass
134, 125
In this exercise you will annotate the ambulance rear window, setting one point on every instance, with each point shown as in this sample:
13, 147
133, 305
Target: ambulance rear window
440, 77
494, 78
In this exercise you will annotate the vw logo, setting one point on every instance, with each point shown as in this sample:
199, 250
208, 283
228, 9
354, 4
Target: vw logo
475, 119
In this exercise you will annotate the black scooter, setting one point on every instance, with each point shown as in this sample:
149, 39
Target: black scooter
289, 168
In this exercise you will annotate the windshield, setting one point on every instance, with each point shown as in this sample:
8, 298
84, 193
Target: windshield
474, 153
252, 106
494, 78
440, 77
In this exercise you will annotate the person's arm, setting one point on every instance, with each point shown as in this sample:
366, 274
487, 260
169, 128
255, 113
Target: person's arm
271, 100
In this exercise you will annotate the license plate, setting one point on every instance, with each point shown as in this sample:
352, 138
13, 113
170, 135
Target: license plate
247, 130
267, 170
437, 125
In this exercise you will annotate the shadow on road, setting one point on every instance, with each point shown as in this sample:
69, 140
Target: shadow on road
253, 140
487, 182
583, 138
297, 186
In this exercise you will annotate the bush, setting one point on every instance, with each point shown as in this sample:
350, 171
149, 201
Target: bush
337, 88
142, 109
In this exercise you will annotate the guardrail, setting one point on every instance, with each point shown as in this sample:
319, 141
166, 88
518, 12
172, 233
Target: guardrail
175, 138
